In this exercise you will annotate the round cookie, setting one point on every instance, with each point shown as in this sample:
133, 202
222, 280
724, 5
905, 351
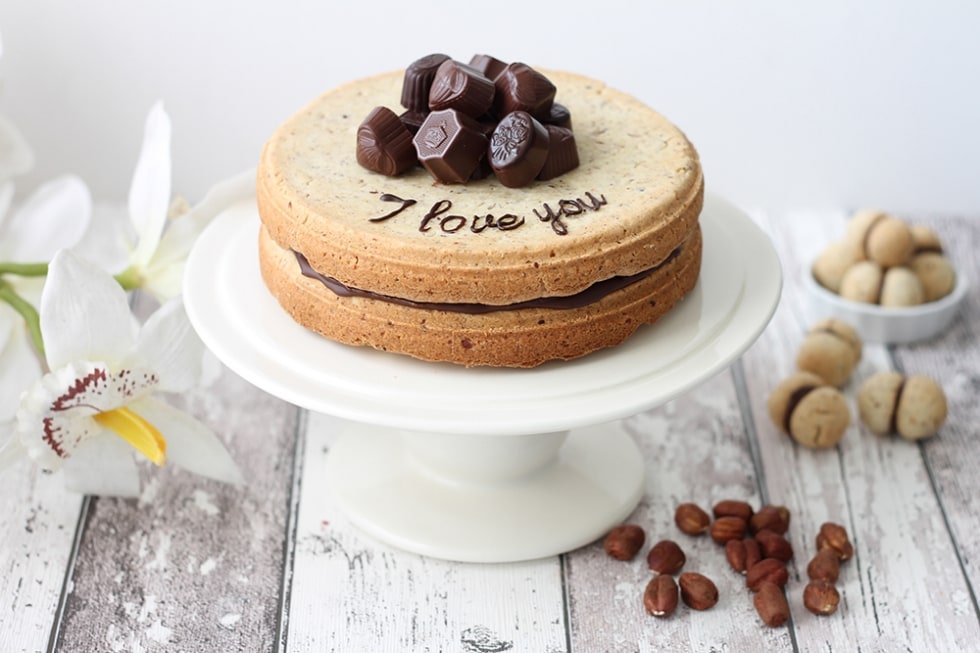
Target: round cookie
831, 350
833, 263
406, 244
914, 407
924, 239
901, 287
884, 239
862, 282
812, 413
935, 273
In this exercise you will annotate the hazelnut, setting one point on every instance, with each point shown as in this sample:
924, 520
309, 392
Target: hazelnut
914, 407
728, 528
821, 597
624, 541
770, 517
829, 267
691, 519
736, 555
831, 350
660, 596
774, 545
862, 282
732, 508
834, 537
813, 413
666, 557
767, 570
698, 591
825, 565
901, 287
935, 273
771, 605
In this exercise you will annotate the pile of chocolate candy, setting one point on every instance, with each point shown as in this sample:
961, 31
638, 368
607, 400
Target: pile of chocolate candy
467, 121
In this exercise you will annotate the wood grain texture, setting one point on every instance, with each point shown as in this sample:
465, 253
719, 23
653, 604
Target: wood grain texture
192, 565
351, 593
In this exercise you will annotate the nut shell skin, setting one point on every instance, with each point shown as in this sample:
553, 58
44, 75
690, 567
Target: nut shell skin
936, 274
889, 242
862, 282
876, 400
833, 262
819, 419
901, 287
922, 408
831, 350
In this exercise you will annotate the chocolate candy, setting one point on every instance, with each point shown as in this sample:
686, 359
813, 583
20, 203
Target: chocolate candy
559, 115
450, 145
521, 88
384, 144
562, 153
460, 87
418, 81
413, 120
489, 66
518, 149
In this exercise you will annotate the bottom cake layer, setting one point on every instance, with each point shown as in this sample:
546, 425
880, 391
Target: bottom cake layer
524, 337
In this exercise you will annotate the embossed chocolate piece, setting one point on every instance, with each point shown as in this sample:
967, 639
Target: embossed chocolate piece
489, 66
460, 87
450, 145
418, 81
384, 144
522, 88
518, 149
562, 153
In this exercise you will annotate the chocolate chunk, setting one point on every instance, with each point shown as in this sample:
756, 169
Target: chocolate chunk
460, 87
489, 66
562, 153
418, 81
521, 88
518, 149
413, 120
450, 145
559, 116
384, 144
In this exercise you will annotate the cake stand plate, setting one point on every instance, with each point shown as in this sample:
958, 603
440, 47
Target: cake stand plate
483, 464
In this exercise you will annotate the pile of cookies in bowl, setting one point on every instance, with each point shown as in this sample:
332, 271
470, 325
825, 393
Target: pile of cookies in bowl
889, 278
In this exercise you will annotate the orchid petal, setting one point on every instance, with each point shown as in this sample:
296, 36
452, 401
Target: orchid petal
54, 217
103, 467
107, 241
190, 444
170, 347
84, 313
19, 369
10, 449
165, 283
149, 194
16, 155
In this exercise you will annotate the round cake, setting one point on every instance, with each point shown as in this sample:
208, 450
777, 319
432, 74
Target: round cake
480, 273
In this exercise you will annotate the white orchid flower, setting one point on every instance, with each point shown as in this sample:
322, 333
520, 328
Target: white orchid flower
159, 253
96, 405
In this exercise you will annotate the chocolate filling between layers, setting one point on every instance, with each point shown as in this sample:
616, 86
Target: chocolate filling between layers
795, 398
590, 295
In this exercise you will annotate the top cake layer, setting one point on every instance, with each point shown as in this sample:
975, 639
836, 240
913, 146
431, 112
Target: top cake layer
634, 198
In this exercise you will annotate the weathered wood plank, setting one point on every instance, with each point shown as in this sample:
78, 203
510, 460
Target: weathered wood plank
878, 488
192, 564
351, 593
696, 450
37, 520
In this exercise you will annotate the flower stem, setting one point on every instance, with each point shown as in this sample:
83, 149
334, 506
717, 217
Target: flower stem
24, 269
28, 312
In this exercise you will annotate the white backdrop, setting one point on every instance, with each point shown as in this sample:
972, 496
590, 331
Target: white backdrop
830, 103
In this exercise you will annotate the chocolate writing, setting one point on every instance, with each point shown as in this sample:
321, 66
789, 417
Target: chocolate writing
438, 217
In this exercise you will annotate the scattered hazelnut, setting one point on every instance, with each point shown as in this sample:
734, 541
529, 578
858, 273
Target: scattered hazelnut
862, 282
774, 545
813, 413
771, 605
825, 565
829, 267
935, 273
666, 557
753, 553
914, 407
732, 508
697, 591
770, 517
766, 570
834, 537
624, 541
831, 350
821, 597
736, 555
901, 287
660, 596
691, 519
728, 528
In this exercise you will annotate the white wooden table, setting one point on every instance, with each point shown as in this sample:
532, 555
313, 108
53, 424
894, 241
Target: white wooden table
197, 566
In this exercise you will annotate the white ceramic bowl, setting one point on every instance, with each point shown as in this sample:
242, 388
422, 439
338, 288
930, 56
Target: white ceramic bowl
887, 325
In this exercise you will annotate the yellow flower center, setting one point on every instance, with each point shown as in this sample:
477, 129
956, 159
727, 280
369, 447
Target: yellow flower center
143, 436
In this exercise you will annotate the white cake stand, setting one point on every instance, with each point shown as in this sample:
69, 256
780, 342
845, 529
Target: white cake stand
483, 465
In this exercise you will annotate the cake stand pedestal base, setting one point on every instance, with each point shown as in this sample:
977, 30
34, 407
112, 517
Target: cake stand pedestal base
486, 498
